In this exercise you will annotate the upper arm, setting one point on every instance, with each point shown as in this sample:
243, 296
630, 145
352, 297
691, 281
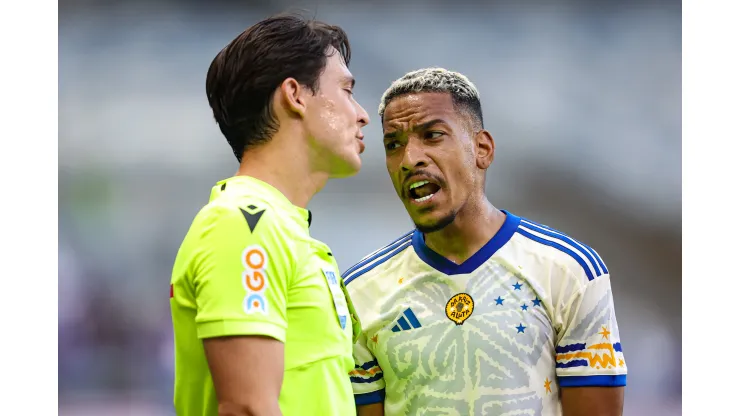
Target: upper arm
592, 401
367, 376
240, 280
590, 364
247, 373
241, 276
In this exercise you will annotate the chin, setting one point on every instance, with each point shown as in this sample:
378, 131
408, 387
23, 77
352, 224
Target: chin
430, 225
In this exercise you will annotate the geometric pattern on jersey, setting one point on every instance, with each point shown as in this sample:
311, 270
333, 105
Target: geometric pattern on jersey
422, 354
597, 355
485, 365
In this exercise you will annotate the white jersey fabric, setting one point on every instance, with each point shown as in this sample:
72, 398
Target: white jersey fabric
531, 312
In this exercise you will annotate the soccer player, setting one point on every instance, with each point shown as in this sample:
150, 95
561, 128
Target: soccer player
262, 324
477, 311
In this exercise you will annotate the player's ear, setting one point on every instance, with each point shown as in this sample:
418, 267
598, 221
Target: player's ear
293, 95
485, 147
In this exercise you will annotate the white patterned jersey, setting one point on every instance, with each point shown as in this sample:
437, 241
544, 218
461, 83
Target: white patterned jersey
531, 312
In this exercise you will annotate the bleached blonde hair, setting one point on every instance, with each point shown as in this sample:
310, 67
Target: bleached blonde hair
464, 93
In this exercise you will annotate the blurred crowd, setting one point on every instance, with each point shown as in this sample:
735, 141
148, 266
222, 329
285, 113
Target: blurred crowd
583, 99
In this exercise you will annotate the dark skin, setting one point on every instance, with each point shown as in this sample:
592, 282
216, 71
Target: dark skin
375, 409
427, 138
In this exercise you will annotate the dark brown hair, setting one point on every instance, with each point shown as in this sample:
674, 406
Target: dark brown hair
244, 75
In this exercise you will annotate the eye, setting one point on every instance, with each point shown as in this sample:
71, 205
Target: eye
349, 91
392, 145
433, 134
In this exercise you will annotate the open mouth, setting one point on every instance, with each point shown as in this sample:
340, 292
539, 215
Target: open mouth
422, 191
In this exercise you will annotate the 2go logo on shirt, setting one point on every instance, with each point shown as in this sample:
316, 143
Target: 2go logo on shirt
254, 279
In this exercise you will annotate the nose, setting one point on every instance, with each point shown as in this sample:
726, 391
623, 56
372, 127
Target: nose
414, 156
362, 117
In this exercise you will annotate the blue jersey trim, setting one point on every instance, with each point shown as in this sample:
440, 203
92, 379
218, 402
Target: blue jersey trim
564, 238
380, 252
569, 348
368, 365
592, 251
593, 381
561, 248
348, 278
370, 398
360, 380
447, 267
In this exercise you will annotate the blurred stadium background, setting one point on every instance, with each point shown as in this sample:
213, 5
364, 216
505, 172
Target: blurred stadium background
582, 97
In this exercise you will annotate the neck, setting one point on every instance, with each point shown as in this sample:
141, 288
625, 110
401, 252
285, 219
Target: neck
475, 224
284, 163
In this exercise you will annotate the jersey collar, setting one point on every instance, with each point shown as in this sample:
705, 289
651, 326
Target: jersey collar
263, 187
442, 264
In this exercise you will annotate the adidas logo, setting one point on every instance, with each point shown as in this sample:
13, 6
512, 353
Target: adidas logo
406, 321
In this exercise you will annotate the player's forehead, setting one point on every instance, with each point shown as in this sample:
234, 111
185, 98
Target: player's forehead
336, 69
410, 110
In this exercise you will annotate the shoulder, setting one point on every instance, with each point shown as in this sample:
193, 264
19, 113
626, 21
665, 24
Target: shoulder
230, 236
561, 250
379, 260
246, 217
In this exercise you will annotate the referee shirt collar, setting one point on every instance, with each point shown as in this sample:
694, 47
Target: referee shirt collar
262, 187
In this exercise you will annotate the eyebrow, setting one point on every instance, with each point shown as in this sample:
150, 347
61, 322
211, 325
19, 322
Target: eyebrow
350, 80
419, 127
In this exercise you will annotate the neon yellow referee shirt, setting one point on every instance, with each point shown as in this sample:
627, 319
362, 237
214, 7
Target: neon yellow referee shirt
248, 266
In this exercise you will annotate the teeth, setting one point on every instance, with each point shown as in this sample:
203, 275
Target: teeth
424, 198
418, 184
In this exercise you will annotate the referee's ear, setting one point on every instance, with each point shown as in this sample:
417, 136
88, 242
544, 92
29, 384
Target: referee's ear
485, 147
292, 95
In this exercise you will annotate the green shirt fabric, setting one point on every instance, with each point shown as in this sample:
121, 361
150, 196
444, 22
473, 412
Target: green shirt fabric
248, 266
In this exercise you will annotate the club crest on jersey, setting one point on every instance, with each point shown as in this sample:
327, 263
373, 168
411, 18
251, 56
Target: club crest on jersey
459, 308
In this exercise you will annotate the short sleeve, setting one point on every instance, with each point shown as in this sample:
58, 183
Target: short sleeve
241, 274
589, 352
367, 376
